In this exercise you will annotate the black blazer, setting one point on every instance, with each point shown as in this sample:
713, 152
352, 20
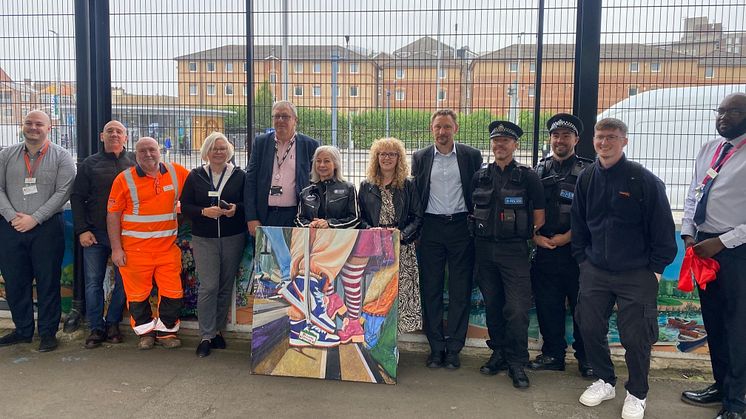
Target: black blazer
259, 172
469, 161
406, 205
194, 198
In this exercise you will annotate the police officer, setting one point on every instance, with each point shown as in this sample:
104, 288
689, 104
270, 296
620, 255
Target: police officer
508, 208
554, 271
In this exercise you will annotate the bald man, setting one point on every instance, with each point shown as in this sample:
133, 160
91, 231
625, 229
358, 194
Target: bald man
36, 179
142, 226
90, 192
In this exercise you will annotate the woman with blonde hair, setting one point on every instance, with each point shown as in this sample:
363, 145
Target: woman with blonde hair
389, 199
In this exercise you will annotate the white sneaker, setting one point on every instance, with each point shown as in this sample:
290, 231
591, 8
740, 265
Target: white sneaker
634, 408
597, 392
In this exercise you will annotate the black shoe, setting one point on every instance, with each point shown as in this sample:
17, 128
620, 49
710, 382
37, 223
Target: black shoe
452, 362
203, 349
217, 342
585, 369
548, 363
113, 335
710, 396
47, 344
435, 360
495, 364
95, 339
519, 377
727, 414
12, 338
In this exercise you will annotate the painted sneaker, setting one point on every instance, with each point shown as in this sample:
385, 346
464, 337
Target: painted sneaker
292, 292
301, 335
334, 306
597, 392
634, 408
352, 330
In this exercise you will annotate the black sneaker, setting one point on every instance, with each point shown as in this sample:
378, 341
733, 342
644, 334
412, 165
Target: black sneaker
519, 377
47, 344
217, 342
495, 364
452, 361
12, 338
546, 362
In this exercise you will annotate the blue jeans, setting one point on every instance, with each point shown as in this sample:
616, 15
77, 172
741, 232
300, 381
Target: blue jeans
95, 259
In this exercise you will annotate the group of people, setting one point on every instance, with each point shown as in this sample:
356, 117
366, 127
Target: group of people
602, 230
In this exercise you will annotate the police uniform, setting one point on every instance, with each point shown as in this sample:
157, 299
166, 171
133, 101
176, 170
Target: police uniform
502, 222
554, 272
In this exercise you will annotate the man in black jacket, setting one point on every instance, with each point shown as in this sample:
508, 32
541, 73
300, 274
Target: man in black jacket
89, 198
443, 173
279, 168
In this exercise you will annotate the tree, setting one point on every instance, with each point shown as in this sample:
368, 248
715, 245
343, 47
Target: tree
263, 101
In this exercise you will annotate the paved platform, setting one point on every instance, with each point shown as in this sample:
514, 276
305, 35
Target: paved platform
118, 381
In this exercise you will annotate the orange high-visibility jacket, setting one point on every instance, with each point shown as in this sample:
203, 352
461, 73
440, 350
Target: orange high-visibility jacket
148, 206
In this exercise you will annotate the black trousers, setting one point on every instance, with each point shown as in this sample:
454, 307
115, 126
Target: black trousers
446, 242
554, 280
724, 314
36, 254
504, 280
281, 216
635, 293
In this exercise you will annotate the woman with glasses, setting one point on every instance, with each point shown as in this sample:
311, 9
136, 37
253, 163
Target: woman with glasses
213, 200
388, 199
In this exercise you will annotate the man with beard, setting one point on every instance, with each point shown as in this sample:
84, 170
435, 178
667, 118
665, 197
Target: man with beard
554, 272
714, 223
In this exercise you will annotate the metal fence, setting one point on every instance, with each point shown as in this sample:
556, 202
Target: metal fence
363, 70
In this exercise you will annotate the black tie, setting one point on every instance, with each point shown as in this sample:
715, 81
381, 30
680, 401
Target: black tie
701, 211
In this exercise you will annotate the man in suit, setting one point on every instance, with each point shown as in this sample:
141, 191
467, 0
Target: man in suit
279, 167
443, 173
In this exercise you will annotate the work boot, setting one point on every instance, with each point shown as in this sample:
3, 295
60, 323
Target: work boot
146, 342
169, 341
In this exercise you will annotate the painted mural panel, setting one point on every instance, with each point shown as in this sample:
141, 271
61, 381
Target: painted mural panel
326, 304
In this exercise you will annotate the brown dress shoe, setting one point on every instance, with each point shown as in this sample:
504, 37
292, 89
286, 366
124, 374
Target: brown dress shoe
113, 334
95, 339
146, 342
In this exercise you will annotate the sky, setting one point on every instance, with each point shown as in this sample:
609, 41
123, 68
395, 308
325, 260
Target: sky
148, 34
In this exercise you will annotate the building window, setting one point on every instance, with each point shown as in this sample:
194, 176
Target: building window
6, 97
317, 91
655, 67
193, 90
532, 67
9, 112
298, 91
531, 91
632, 91
192, 67
210, 90
229, 89
513, 67
273, 78
228, 67
634, 67
316, 68
353, 91
297, 68
211, 66
400, 73
442, 73
709, 72
354, 68
399, 94
441, 95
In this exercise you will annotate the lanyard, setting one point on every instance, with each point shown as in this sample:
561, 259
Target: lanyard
27, 160
287, 151
220, 181
714, 169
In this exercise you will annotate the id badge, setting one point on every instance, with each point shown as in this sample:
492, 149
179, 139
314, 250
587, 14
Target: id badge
213, 194
29, 180
275, 191
29, 190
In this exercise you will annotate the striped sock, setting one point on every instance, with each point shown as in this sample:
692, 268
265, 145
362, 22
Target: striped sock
352, 278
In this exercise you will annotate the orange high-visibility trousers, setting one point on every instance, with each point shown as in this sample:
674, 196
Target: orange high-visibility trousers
138, 274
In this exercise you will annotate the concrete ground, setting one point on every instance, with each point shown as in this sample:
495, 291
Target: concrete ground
118, 381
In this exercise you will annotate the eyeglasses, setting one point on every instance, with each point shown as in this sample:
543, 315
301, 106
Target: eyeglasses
391, 155
282, 117
609, 138
737, 112
219, 150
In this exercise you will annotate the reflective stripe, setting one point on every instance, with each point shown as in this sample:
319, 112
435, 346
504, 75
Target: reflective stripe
161, 327
149, 234
174, 181
149, 218
146, 328
133, 191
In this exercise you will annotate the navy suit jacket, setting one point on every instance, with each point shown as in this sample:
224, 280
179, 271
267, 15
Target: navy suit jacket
259, 172
469, 161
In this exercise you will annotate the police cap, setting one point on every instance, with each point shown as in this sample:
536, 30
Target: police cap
567, 121
505, 129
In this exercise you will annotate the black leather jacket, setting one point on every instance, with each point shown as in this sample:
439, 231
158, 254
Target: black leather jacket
406, 205
331, 200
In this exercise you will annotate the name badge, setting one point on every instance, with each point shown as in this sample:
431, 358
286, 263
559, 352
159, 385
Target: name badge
339, 191
712, 173
29, 180
211, 194
29, 190
513, 200
168, 188
567, 194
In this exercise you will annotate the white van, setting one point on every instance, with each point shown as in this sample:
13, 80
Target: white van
667, 127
